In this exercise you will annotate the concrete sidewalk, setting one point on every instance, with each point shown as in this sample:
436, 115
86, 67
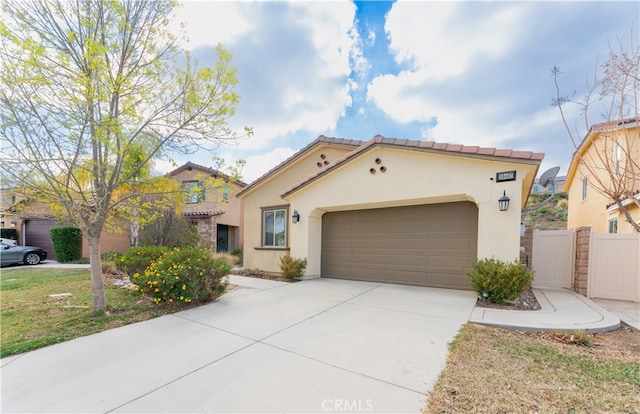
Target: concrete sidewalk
562, 310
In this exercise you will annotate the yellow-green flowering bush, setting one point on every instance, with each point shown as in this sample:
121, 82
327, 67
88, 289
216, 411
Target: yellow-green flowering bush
137, 259
183, 275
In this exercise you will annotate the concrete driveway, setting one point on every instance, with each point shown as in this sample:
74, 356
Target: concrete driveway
321, 345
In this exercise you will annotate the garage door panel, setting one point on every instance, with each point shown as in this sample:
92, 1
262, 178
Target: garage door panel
426, 245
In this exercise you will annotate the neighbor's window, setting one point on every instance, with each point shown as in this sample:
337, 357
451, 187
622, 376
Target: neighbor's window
195, 191
613, 225
225, 192
584, 188
274, 227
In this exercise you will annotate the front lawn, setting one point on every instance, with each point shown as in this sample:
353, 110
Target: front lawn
32, 319
493, 370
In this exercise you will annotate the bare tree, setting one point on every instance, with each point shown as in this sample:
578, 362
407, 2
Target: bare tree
613, 166
84, 85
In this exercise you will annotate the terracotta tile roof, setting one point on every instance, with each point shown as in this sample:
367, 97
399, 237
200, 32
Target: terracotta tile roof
588, 140
430, 146
318, 141
211, 171
204, 213
609, 125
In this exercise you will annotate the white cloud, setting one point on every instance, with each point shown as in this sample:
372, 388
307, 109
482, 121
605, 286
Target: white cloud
209, 22
257, 165
445, 40
293, 59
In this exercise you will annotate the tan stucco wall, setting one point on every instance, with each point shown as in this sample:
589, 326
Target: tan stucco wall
593, 210
233, 208
589, 212
413, 177
267, 194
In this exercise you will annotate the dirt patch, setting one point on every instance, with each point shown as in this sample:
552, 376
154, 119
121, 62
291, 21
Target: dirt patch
525, 302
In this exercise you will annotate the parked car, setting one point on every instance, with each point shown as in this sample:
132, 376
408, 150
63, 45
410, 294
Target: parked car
21, 254
10, 242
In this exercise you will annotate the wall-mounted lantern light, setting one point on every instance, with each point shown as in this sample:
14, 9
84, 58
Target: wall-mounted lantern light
296, 216
13, 224
503, 202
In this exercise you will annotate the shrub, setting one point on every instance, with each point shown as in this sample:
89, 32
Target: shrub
501, 280
171, 230
183, 275
137, 259
67, 243
230, 259
292, 268
238, 253
8, 233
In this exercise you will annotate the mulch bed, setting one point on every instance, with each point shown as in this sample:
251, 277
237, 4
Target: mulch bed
261, 275
526, 302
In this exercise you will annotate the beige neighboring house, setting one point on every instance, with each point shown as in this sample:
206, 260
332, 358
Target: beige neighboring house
212, 205
33, 222
605, 143
388, 210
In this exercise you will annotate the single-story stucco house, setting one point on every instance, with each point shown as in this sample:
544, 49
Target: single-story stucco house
388, 210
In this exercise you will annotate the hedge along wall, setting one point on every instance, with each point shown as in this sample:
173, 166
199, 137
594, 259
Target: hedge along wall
9, 233
67, 243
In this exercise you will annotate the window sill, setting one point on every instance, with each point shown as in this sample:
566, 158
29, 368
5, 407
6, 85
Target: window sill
272, 248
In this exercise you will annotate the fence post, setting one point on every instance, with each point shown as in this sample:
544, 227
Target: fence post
580, 281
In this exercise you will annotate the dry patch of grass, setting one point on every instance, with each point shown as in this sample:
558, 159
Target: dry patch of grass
32, 319
493, 370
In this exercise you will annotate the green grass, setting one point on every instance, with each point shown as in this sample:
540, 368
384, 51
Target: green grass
31, 319
493, 370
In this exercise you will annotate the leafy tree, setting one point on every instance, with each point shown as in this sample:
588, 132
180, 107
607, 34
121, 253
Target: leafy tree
84, 85
613, 169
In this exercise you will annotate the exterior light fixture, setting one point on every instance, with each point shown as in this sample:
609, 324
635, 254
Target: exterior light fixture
296, 216
503, 202
13, 224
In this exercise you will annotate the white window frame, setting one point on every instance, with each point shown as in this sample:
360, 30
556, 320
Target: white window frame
276, 242
613, 225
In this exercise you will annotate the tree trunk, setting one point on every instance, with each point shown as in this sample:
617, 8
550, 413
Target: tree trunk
97, 281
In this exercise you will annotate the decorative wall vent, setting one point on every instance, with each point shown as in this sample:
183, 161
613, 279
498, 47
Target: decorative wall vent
382, 168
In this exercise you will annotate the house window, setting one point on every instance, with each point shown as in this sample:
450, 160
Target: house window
274, 227
225, 192
194, 190
584, 188
617, 158
613, 225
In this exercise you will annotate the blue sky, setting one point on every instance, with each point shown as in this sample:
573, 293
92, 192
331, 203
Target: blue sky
473, 73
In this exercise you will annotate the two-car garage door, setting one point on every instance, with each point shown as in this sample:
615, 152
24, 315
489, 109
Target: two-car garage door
424, 245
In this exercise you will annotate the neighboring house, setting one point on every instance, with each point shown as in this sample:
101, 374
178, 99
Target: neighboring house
605, 148
553, 187
34, 220
388, 210
212, 205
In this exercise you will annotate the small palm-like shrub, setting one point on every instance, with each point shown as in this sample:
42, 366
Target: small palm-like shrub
137, 259
501, 281
292, 268
183, 275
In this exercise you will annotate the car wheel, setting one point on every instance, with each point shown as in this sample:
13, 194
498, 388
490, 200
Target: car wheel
32, 258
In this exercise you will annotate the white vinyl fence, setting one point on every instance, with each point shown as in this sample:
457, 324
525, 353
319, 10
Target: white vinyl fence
614, 266
553, 258
613, 263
